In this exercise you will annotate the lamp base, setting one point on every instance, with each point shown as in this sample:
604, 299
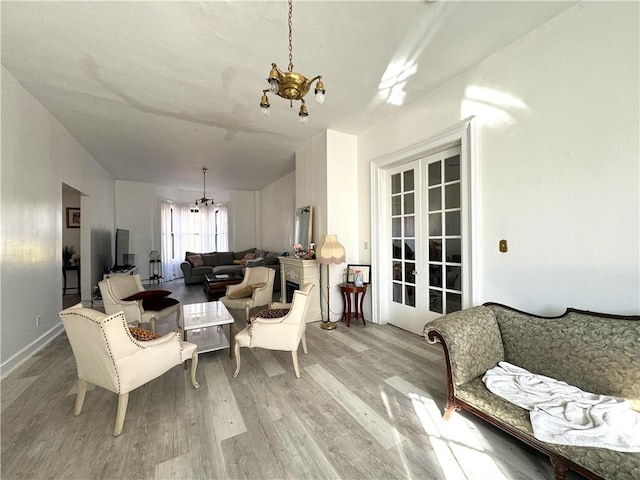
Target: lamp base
328, 325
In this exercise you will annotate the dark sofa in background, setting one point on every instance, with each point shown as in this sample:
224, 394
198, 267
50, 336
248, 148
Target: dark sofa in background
196, 265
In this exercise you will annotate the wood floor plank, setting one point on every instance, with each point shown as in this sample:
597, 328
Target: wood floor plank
368, 405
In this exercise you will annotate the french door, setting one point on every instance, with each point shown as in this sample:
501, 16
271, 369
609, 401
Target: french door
427, 229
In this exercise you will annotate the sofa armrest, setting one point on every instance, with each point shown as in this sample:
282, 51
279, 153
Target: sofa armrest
472, 340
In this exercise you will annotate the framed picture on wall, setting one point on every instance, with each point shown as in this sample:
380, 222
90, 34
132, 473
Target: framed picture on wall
366, 272
73, 217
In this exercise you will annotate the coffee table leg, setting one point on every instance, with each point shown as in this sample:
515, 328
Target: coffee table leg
232, 339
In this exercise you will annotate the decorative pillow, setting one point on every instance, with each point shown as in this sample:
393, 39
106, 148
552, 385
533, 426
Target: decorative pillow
269, 313
249, 256
142, 335
244, 292
238, 262
147, 294
240, 255
157, 304
195, 260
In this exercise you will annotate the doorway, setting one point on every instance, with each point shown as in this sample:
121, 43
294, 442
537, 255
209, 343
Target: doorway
71, 254
423, 226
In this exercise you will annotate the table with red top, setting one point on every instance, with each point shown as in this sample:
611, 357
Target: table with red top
352, 310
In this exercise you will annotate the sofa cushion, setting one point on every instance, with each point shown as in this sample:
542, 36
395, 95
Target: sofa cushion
241, 255
195, 260
244, 292
225, 258
210, 259
573, 347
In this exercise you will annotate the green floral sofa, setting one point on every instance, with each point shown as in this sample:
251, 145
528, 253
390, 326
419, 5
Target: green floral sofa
595, 352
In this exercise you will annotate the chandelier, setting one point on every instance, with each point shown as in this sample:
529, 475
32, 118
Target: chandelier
204, 201
291, 85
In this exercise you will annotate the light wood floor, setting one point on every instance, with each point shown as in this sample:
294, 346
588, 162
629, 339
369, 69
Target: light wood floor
368, 405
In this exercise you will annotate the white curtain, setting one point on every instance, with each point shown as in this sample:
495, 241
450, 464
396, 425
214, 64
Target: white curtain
166, 247
187, 229
222, 228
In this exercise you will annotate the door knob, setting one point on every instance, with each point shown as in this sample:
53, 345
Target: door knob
413, 272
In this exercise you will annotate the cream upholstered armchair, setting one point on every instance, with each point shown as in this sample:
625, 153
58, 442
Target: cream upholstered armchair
255, 289
117, 288
108, 356
284, 333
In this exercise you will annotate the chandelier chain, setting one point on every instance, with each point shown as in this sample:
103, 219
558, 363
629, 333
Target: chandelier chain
290, 36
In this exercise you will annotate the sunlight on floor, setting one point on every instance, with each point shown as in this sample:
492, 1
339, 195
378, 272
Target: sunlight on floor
459, 451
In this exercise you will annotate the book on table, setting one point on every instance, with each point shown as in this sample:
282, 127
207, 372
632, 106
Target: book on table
222, 276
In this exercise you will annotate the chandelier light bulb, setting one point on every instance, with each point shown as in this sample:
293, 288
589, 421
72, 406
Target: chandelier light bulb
320, 97
304, 120
273, 85
266, 111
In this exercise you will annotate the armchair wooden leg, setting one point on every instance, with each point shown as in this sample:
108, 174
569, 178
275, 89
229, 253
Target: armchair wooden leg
246, 312
304, 343
123, 400
294, 355
82, 389
236, 352
194, 366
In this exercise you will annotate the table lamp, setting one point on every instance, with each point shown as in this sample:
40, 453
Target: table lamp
331, 251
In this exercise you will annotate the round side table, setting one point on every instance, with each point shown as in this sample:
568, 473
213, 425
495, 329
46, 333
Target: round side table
352, 311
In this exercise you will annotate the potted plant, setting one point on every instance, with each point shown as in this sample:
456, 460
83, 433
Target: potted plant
67, 253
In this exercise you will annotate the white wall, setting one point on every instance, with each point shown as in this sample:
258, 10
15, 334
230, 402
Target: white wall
38, 156
558, 140
277, 214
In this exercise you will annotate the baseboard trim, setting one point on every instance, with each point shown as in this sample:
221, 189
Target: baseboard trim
30, 350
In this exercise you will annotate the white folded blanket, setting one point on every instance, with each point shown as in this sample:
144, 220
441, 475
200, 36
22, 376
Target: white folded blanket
563, 414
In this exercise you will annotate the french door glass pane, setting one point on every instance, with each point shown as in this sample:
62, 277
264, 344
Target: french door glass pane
409, 207
396, 227
452, 169
435, 250
409, 226
410, 249
452, 196
397, 292
395, 183
454, 250
435, 224
408, 181
452, 223
396, 205
409, 277
435, 275
435, 200
435, 301
396, 249
397, 271
434, 174
410, 298
454, 302
454, 274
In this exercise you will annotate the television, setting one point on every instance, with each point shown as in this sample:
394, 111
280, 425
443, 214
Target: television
122, 248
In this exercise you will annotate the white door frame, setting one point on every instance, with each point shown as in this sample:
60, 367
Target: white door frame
462, 133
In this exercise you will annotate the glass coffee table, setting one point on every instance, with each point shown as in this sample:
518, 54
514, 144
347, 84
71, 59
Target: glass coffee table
202, 324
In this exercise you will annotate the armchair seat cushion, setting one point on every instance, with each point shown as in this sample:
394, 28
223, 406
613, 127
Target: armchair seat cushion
271, 313
157, 304
142, 335
147, 294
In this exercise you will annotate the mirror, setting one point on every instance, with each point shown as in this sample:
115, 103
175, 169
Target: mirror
303, 226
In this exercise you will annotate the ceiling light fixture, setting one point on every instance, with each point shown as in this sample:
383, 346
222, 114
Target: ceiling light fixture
291, 85
204, 201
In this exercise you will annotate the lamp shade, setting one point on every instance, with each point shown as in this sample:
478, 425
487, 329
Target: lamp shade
331, 251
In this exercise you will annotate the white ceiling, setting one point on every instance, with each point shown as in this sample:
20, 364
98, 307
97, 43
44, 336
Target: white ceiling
157, 90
